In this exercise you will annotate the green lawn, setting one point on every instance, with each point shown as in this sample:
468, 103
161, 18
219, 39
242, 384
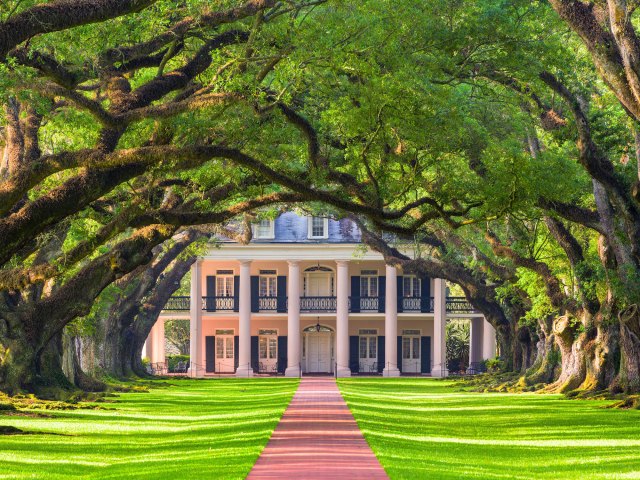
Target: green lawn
418, 428
194, 429
425, 428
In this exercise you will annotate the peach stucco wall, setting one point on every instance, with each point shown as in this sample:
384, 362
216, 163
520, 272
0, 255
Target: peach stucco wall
209, 267
211, 323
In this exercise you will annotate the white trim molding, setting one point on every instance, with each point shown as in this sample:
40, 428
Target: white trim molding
305, 251
325, 228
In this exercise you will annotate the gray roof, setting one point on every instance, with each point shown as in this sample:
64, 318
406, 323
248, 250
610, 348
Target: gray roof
292, 228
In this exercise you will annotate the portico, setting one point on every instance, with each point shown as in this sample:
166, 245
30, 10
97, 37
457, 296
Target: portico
300, 307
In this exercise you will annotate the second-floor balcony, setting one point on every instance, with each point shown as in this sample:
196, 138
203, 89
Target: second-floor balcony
328, 304
318, 304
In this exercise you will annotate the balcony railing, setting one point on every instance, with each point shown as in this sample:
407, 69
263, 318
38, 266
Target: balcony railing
268, 304
318, 304
414, 304
216, 304
367, 304
459, 305
178, 303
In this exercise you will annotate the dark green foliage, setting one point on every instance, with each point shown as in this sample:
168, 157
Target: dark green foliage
173, 361
457, 345
177, 334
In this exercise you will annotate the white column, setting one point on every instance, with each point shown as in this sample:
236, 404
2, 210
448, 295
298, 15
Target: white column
293, 320
244, 323
476, 336
489, 341
391, 324
159, 348
195, 338
156, 342
342, 319
439, 329
147, 351
150, 344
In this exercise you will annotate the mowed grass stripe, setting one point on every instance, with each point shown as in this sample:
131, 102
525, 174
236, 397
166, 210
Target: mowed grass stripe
427, 428
193, 428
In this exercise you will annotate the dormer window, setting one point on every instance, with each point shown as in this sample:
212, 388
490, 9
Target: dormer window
318, 227
264, 230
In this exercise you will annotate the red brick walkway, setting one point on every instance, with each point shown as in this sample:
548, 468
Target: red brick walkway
317, 438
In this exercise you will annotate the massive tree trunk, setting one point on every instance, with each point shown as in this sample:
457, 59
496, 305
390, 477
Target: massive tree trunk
50, 378
628, 379
134, 313
72, 366
528, 343
588, 345
135, 335
545, 366
573, 367
17, 358
28, 327
601, 348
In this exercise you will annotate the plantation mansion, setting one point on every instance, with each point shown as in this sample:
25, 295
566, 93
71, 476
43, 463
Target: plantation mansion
305, 296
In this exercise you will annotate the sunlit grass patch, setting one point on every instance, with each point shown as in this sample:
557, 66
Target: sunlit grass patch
192, 429
426, 428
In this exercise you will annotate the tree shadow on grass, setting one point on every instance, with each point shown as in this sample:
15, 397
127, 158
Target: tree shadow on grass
9, 430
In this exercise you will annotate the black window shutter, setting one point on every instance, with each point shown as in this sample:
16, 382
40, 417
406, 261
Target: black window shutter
425, 354
399, 352
281, 291
211, 293
282, 351
382, 291
400, 292
255, 290
255, 363
381, 355
425, 295
210, 354
236, 347
355, 294
236, 293
354, 362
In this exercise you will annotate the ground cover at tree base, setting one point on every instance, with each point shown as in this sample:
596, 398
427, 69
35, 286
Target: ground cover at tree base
428, 428
188, 429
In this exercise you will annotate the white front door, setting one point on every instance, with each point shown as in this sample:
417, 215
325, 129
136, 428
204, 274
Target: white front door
224, 354
410, 354
319, 352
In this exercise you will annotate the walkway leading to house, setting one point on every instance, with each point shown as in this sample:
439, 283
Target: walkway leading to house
317, 438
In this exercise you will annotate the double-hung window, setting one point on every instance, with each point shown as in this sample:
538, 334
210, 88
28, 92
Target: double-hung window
410, 348
224, 283
368, 344
318, 227
268, 283
224, 344
411, 286
411, 344
368, 283
268, 344
264, 229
